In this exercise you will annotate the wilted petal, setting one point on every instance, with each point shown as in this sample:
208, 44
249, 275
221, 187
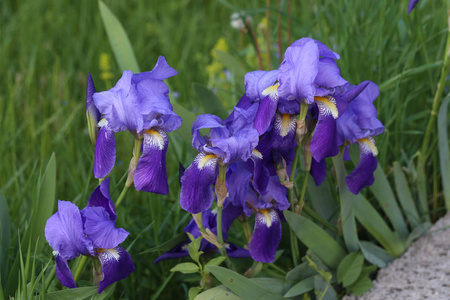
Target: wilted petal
105, 152
266, 236
64, 232
101, 229
196, 195
324, 140
64, 273
116, 265
151, 174
100, 197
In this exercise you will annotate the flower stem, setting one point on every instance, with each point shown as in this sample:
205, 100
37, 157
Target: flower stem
424, 152
122, 195
294, 243
80, 267
131, 169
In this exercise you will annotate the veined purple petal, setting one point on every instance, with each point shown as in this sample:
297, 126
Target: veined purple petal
64, 273
196, 195
151, 174
266, 236
238, 182
257, 81
101, 229
161, 71
266, 113
324, 140
298, 71
329, 74
242, 118
64, 232
260, 173
101, 198
362, 175
152, 93
116, 265
105, 152
318, 171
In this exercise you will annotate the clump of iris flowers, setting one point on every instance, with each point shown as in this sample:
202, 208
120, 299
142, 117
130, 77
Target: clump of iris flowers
91, 232
138, 103
247, 157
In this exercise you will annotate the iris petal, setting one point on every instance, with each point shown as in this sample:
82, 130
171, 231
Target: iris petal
324, 141
362, 175
116, 265
105, 152
151, 174
266, 236
64, 273
100, 197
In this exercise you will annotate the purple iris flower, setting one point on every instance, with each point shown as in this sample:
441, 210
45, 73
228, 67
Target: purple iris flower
91, 232
227, 141
267, 231
412, 5
229, 214
139, 103
359, 124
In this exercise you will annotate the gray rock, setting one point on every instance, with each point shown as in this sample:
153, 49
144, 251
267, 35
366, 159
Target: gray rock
423, 272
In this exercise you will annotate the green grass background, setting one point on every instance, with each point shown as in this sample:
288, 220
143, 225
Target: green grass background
47, 48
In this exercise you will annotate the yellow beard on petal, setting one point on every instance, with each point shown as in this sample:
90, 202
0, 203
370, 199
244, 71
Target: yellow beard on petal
110, 253
285, 123
272, 91
368, 145
155, 139
205, 160
327, 105
257, 154
267, 217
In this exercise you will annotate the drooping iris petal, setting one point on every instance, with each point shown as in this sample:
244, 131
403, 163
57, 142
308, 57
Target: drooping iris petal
116, 265
151, 174
105, 152
318, 171
324, 140
64, 273
101, 198
64, 232
299, 70
196, 194
258, 81
362, 175
161, 71
266, 236
266, 113
101, 229
260, 173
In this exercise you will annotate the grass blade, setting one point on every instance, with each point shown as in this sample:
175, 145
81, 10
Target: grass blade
5, 231
210, 102
404, 196
118, 39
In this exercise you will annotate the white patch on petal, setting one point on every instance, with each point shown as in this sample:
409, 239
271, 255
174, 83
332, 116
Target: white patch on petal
155, 138
109, 254
55, 253
103, 122
266, 216
257, 154
205, 160
285, 123
367, 146
327, 106
271, 91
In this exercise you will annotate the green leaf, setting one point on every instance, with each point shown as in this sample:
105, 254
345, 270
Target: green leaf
347, 198
234, 66
361, 286
323, 289
185, 268
69, 294
275, 285
300, 272
44, 206
444, 152
216, 261
301, 287
5, 231
210, 101
350, 268
324, 203
375, 254
241, 286
168, 244
220, 292
184, 131
316, 239
417, 233
118, 39
193, 292
193, 248
404, 196
374, 223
